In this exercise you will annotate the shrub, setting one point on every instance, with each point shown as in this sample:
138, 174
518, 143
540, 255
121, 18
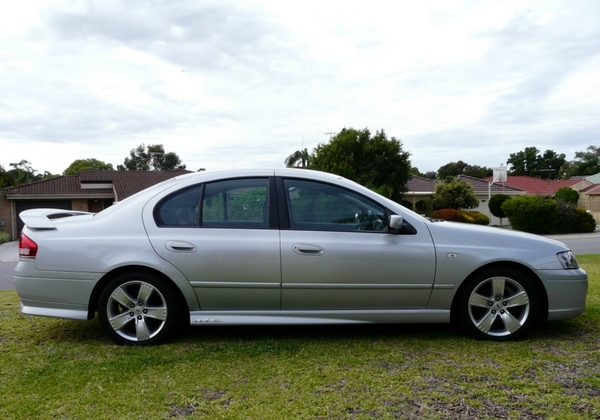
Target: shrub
453, 215
465, 218
567, 194
566, 217
478, 218
584, 222
531, 214
454, 194
425, 206
495, 205
4, 237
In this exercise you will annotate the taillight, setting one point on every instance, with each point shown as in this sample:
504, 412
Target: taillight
27, 248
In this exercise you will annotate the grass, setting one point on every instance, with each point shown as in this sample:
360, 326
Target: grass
53, 368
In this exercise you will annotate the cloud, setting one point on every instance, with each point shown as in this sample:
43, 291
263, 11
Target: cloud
231, 84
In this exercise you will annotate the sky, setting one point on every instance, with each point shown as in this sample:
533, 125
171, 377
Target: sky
244, 84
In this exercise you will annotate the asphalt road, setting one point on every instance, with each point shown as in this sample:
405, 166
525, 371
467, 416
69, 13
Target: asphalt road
580, 244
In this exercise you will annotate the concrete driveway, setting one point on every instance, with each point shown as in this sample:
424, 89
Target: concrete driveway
9, 255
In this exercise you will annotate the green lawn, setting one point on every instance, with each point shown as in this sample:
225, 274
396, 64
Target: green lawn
64, 369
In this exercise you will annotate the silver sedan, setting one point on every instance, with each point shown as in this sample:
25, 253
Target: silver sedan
285, 246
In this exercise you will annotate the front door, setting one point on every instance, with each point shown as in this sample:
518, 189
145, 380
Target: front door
339, 255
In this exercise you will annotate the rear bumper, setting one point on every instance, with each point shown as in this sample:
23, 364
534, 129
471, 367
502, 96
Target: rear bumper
53, 294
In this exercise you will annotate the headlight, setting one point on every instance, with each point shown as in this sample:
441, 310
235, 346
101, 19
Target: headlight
567, 259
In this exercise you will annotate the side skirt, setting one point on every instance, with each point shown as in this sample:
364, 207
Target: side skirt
407, 316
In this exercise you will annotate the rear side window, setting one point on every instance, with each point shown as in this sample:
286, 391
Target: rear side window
237, 203
180, 209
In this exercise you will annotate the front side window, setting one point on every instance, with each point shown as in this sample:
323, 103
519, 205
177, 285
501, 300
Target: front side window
237, 203
318, 206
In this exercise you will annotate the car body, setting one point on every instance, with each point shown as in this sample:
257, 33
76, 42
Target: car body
285, 246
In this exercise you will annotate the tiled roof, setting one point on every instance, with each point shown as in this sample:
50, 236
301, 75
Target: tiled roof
124, 184
537, 186
423, 185
63, 186
483, 186
592, 190
418, 184
127, 183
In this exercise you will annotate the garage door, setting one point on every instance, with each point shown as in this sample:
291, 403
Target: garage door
39, 204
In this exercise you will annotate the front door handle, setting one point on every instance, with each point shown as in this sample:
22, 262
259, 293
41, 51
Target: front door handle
308, 249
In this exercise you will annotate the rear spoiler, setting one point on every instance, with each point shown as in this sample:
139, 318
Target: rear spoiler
42, 218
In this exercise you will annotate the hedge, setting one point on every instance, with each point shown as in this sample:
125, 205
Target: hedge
452, 215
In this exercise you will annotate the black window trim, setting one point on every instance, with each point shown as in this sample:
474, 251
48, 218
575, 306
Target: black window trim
272, 207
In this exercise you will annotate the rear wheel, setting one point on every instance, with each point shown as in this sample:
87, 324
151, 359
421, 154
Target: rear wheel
499, 304
138, 309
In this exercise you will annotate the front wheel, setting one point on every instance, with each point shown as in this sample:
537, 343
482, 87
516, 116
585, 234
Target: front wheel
499, 304
138, 309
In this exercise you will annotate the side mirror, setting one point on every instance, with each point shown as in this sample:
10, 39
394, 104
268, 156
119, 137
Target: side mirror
396, 222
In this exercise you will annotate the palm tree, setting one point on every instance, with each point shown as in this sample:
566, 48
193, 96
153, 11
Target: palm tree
298, 159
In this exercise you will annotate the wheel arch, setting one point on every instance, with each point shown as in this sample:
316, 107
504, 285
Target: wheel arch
537, 282
101, 284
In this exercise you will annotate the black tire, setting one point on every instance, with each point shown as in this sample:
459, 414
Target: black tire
499, 304
139, 309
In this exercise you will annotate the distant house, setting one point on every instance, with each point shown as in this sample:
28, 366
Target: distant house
90, 191
589, 199
588, 189
543, 187
484, 191
418, 189
422, 188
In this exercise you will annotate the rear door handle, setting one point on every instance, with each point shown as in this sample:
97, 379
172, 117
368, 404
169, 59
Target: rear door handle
180, 246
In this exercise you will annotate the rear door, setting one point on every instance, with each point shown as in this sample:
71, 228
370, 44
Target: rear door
223, 237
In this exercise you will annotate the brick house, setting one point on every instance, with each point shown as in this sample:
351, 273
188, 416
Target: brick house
90, 191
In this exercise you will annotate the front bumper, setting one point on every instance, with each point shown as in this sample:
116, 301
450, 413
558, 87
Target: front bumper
567, 290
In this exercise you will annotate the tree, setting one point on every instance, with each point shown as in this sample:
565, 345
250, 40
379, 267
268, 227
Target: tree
524, 163
90, 164
300, 159
414, 171
568, 195
454, 194
375, 161
585, 163
451, 169
478, 171
6, 180
463, 168
495, 205
550, 164
151, 158
21, 173
530, 162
